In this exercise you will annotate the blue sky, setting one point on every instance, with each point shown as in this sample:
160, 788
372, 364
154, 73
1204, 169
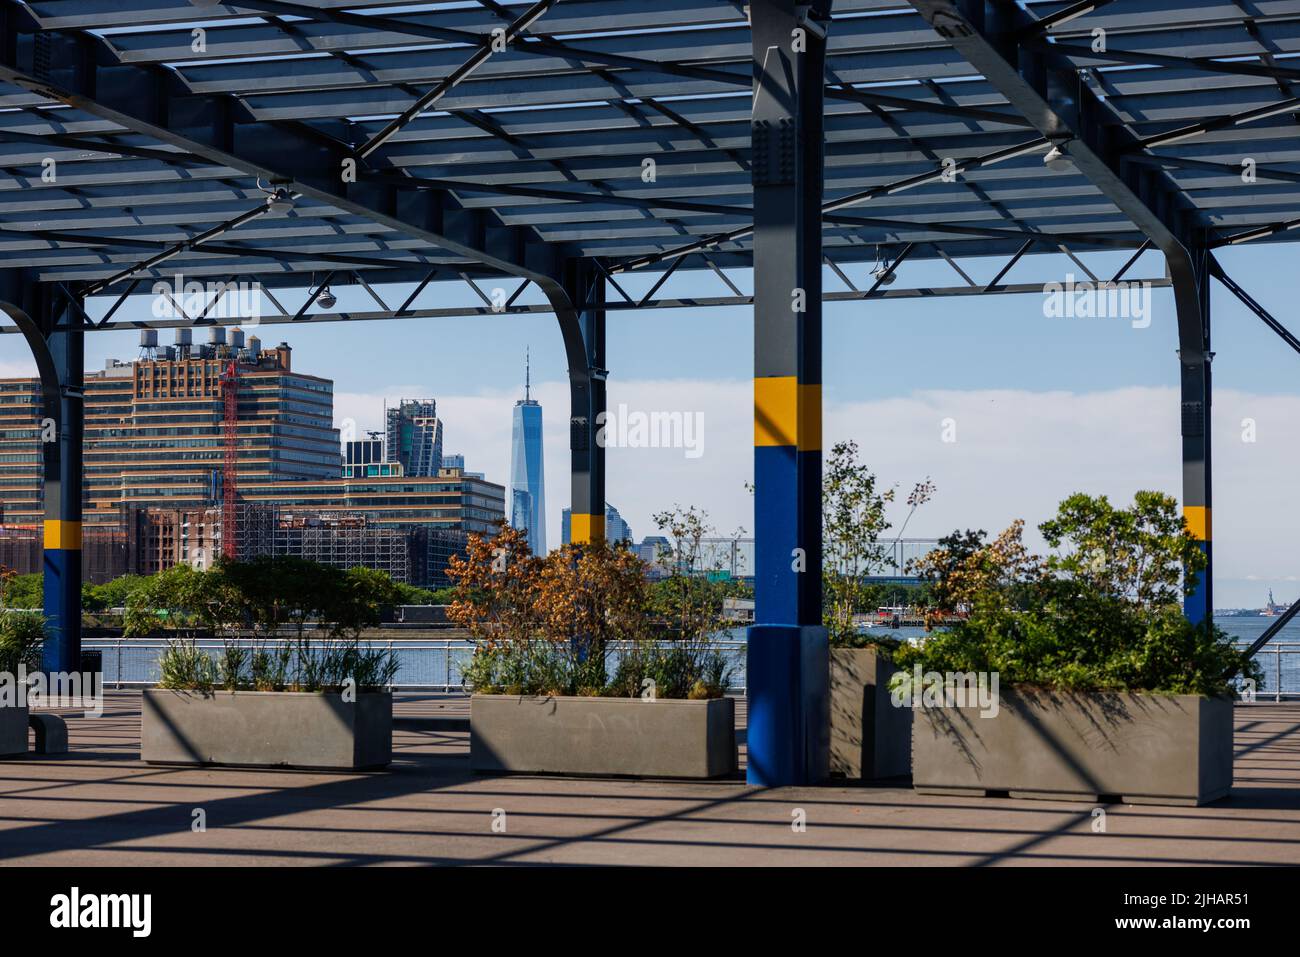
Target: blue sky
891, 370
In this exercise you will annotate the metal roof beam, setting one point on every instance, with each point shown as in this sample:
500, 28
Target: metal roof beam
1065, 15
941, 172
1061, 106
450, 312
1208, 64
72, 70
550, 47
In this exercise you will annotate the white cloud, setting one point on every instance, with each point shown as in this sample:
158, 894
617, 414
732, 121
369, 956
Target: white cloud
1016, 454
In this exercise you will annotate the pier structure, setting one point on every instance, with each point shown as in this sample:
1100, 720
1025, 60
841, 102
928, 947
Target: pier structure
547, 155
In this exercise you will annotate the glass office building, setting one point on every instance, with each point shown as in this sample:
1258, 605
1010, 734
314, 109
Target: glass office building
526, 470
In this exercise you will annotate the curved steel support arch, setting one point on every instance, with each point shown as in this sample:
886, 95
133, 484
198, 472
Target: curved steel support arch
56, 337
578, 301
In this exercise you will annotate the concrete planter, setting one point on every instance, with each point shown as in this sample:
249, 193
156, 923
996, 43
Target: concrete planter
609, 736
13, 731
267, 728
870, 738
1140, 748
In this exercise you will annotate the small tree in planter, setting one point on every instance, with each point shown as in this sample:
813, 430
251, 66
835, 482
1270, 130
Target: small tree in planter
868, 739
590, 597
542, 701
682, 659
1095, 672
853, 519
495, 600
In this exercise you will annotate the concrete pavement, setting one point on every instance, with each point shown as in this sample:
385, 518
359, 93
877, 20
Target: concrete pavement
98, 805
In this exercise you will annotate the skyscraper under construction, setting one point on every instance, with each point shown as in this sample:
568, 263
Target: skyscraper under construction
413, 437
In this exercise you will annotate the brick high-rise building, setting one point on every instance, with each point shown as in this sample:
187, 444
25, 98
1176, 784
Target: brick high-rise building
155, 448
154, 432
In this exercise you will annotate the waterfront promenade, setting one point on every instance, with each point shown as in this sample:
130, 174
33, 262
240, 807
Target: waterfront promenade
99, 805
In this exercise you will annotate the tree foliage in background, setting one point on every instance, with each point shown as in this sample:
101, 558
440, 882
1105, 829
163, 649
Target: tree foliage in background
111, 594
264, 596
1102, 612
28, 592
22, 637
23, 591
853, 519
690, 600
415, 595
183, 599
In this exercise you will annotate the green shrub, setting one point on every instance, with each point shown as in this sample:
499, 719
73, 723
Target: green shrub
22, 637
1102, 613
230, 666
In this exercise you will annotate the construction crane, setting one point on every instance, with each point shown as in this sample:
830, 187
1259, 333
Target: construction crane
229, 479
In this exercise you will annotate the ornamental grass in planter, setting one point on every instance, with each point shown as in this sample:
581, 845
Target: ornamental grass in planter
1101, 688
305, 704
578, 669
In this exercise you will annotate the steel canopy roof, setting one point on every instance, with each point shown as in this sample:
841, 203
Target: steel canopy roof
547, 142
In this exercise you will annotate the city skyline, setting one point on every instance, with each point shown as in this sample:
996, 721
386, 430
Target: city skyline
221, 447
1113, 392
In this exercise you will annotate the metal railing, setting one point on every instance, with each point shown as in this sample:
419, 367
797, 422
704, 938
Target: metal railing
1280, 661
421, 665
437, 665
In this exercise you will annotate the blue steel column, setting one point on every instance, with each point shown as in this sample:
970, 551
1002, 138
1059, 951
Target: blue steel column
585, 287
787, 653
1194, 363
63, 471
57, 339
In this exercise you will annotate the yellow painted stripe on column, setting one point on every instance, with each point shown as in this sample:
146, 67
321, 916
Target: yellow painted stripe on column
776, 410
65, 535
1198, 521
787, 412
584, 529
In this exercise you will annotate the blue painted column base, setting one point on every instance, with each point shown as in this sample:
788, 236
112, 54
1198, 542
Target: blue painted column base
1196, 605
62, 650
787, 677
